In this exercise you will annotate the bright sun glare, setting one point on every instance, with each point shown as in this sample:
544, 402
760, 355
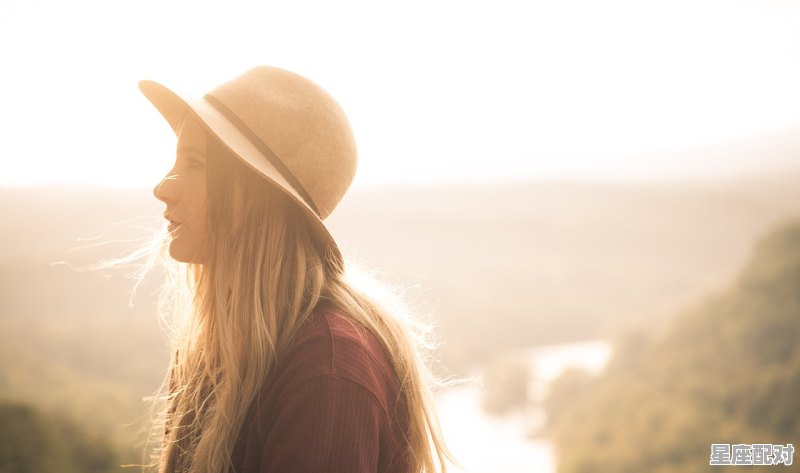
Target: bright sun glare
437, 91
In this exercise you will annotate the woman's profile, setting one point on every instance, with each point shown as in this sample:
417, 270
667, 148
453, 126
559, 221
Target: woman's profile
280, 364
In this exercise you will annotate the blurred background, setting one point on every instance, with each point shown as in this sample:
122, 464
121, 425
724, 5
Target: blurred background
597, 203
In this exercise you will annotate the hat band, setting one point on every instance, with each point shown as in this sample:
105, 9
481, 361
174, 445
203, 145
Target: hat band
263, 148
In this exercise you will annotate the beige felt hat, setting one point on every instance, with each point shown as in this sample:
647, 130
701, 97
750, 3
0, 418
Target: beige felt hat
283, 126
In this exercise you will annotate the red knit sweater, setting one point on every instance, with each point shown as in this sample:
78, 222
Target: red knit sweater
331, 405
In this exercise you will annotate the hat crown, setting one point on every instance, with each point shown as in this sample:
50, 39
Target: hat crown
303, 126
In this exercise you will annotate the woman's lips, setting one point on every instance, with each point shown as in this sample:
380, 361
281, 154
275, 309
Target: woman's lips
173, 225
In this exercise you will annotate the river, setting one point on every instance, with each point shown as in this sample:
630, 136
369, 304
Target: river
488, 444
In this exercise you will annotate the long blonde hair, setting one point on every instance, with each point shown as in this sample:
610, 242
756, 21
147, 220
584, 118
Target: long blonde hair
240, 309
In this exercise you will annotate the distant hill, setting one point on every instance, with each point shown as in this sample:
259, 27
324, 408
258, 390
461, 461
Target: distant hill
768, 154
727, 371
495, 267
560, 261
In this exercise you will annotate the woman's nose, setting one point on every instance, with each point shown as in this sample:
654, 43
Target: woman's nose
165, 189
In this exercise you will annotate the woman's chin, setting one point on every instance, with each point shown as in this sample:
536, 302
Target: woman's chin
180, 253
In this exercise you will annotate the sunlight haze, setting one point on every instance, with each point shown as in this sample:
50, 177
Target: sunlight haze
437, 92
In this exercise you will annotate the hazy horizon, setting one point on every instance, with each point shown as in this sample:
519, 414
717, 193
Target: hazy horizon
773, 154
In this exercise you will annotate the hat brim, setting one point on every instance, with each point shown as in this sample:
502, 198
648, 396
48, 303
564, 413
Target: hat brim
174, 106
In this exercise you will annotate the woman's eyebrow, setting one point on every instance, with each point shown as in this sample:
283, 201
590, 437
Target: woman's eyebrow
190, 150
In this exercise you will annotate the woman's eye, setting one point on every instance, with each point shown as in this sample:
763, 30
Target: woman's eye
195, 163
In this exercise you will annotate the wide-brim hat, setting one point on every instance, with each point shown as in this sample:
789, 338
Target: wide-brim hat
282, 125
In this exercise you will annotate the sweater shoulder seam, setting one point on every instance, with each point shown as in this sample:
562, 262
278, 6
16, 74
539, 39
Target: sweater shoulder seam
367, 389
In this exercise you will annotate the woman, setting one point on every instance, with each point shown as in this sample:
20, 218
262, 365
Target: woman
280, 364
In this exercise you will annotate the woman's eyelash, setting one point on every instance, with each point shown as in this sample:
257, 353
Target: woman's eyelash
194, 162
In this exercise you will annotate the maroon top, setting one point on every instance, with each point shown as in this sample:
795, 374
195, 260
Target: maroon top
331, 405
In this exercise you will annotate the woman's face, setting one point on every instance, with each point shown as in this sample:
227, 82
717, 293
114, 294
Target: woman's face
183, 189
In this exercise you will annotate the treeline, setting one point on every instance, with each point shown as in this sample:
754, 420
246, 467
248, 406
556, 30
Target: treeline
727, 371
33, 442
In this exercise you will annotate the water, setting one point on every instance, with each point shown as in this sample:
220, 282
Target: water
488, 444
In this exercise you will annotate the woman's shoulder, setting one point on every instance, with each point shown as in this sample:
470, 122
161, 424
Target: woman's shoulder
332, 344
332, 402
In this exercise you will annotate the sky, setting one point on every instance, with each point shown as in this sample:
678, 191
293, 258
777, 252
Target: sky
437, 92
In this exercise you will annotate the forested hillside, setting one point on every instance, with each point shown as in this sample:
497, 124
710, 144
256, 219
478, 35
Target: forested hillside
728, 371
